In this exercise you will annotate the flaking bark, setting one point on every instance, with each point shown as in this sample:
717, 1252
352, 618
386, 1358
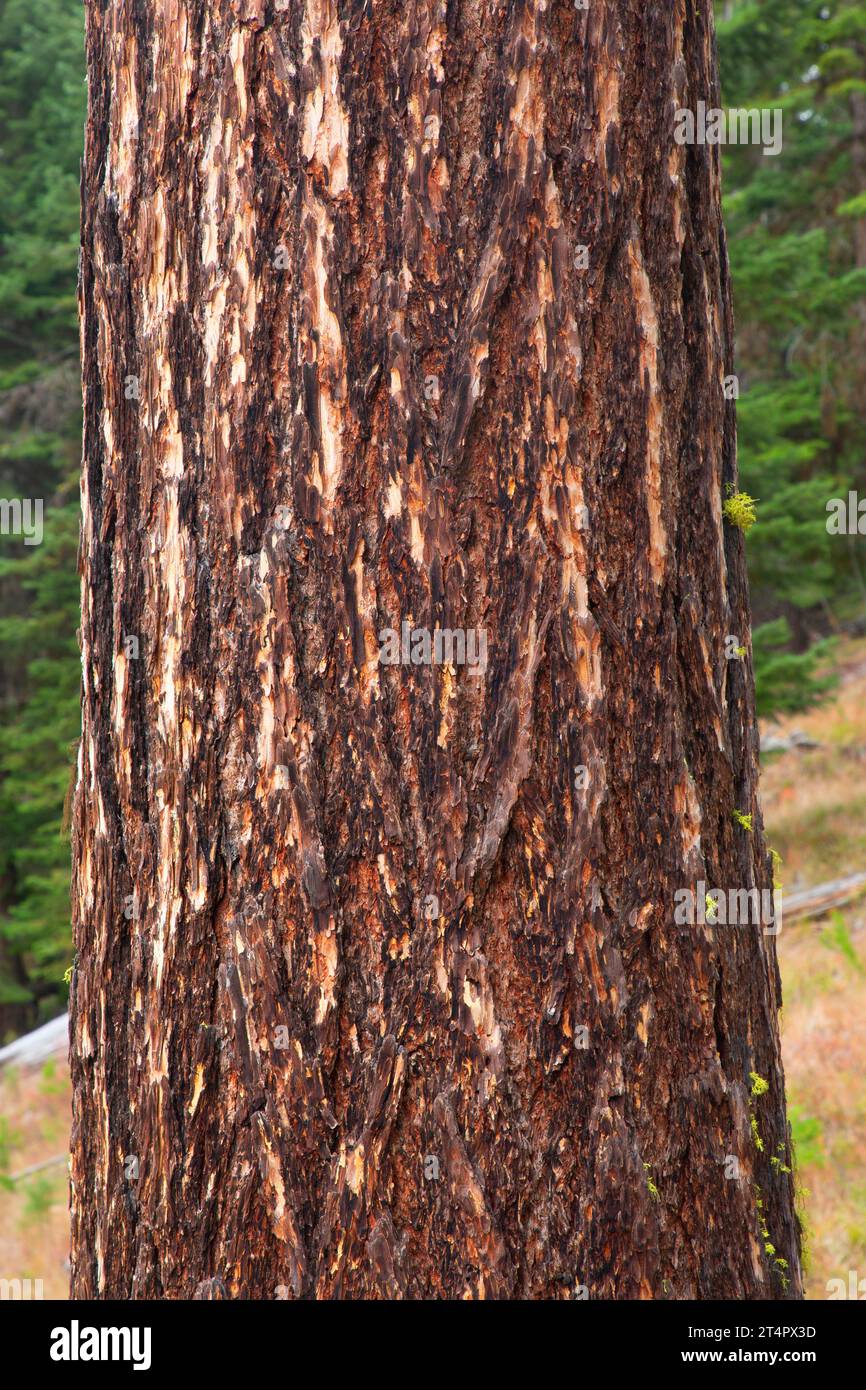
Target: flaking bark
380, 998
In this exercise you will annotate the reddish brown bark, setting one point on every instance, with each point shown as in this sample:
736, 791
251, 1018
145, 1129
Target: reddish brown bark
384, 994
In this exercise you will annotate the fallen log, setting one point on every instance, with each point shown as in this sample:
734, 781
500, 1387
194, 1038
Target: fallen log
38, 1167
51, 1040
814, 902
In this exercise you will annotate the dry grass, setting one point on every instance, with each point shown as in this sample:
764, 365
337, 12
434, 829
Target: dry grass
824, 1045
815, 811
34, 1218
815, 799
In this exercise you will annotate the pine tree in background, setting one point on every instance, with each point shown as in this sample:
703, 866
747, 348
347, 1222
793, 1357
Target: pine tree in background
797, 235
42, 104
35, 748
42, 101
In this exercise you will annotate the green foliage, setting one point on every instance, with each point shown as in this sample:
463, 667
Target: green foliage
50, 1084
42, 105
778, 1160
650, 1185
40, 1195
780, 1266
807, 1138
760, 1087
788, 681
837, 937
739, 510
36, 750
9, 1139
794, 223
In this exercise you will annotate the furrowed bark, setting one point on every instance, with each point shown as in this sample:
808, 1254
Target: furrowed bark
380, 990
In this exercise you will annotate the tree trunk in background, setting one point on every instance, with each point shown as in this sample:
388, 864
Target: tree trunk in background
380, 990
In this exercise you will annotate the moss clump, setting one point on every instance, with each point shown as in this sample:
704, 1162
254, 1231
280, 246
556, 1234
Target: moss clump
760, 1087
651, 1187
739, 509
756, 1135
743, 820
779, 1264
777, 1163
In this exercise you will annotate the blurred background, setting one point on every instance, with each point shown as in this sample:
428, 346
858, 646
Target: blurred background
797, 242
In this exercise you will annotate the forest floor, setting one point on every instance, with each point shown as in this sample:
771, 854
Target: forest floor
814, 803
35, 1119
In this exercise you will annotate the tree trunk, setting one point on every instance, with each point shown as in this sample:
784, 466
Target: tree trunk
414, 313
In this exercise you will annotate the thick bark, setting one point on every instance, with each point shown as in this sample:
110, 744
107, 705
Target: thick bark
381, 997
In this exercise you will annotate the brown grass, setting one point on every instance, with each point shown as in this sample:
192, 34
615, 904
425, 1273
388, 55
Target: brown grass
815, 812
34, 1217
